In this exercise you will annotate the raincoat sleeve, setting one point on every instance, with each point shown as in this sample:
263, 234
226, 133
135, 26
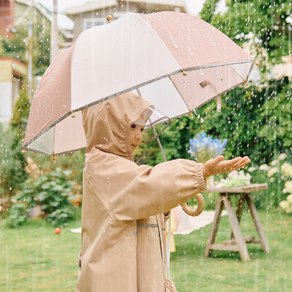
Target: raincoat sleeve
129, 191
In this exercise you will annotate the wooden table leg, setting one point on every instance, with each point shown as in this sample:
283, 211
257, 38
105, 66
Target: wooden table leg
239, 210
214, 227
257, 224
236, 230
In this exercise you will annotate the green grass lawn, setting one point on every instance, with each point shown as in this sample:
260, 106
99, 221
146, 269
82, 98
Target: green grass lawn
33, 258
224, 271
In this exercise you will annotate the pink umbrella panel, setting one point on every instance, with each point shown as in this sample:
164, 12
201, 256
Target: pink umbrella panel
177, 61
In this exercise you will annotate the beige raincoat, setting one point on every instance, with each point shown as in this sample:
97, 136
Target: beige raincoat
123, 229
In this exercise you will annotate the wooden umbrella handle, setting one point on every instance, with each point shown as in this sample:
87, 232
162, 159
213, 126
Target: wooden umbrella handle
196, 212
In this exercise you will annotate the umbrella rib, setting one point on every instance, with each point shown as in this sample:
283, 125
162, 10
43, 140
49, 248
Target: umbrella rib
249, 72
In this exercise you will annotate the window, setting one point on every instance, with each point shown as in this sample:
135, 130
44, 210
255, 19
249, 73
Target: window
91, 22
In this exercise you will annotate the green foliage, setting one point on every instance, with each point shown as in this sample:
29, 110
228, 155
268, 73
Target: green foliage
276, 177
51, 191
15, 47
41, 55
17, 215
20, 113
265, 22
18, 46
276, 114
11, 169
12, 165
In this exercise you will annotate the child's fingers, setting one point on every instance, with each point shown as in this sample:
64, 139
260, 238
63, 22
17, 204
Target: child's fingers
242, 162
218, 159
229, 164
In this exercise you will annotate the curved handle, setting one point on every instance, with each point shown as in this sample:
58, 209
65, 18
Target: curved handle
196, 212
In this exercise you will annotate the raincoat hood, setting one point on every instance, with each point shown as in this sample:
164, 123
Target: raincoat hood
107, 124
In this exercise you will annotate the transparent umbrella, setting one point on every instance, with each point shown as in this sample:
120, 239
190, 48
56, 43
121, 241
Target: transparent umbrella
175, 61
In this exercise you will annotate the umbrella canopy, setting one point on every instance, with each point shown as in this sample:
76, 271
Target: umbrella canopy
176, 61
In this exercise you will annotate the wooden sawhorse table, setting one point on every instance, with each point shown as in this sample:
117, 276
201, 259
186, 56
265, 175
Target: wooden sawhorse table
237, 241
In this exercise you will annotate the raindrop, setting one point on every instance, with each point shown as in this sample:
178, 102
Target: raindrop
201, 72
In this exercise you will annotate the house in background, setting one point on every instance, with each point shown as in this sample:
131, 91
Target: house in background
14, 15
7, 18
10, 72
93, 13
40, 13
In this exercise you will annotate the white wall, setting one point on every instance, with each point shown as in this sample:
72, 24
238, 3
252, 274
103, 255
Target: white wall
5, 102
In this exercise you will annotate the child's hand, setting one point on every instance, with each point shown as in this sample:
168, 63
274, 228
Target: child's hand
219, 165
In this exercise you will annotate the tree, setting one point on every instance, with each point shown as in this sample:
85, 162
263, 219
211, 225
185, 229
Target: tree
265, 24
13, 163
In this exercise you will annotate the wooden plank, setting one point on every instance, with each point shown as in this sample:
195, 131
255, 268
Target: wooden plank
238, 190
247, 239
236, 230
214, 227
224, 247
258, 224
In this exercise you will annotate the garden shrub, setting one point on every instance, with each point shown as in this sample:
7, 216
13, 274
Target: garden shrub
17, 215
51, 191
276, 177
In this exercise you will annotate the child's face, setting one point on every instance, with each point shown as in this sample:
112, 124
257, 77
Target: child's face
135, 136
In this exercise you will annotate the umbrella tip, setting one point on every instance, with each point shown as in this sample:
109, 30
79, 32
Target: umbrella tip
53, 156
256, 63
72, 115
184, 73
109, 18
23, 151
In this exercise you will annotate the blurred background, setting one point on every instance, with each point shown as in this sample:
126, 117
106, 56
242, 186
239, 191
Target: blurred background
38, 193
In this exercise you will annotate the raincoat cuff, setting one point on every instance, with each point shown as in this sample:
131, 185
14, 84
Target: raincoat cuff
202, 182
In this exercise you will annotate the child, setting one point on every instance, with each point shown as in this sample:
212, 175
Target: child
123, 226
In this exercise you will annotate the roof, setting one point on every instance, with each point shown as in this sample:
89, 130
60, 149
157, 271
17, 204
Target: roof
45, 8
18, 68
90, 5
